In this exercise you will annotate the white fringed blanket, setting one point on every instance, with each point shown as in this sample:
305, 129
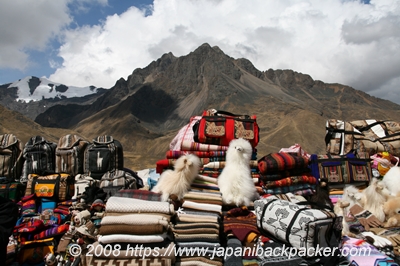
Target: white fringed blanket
128, 205
124, 238
135, 219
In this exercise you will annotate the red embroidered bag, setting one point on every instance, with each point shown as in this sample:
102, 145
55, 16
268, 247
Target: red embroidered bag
220, 127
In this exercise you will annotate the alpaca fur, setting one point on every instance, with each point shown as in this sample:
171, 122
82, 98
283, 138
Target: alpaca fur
177, 182
391, 180
351, 195
235, 181
391, 208
375, 195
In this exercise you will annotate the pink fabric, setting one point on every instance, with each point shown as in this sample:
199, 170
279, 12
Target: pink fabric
296, 148
185, 133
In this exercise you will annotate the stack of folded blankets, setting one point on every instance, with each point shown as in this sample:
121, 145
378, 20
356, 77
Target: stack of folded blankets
139, 229
282, 172
197, 224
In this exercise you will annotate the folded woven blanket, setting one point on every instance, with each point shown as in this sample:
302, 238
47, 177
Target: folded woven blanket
138, 194
168, 163
199, 212
144, 229
280, 161
207, 179
282, 174
289, 181
199, 244
184, 225
200, 184
188, 145
211, 238
196, 231
135, 219
203, 195
211, 192
221, 164
202, 206
201, 154
207, 201
127, 205
124, 238
293, 189
196, 218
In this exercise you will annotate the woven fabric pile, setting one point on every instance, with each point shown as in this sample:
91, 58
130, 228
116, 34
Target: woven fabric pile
283, 172
139, 229
198, 223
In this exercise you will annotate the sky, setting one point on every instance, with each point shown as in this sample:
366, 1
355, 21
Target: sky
96, 42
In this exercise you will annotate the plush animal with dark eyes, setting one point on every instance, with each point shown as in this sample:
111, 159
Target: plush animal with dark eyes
391, 208
235, 181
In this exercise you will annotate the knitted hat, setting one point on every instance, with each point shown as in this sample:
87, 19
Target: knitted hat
98, 203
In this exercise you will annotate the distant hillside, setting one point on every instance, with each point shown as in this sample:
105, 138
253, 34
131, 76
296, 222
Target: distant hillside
146, 110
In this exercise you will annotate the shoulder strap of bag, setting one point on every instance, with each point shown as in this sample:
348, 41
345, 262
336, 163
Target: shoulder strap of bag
315, 205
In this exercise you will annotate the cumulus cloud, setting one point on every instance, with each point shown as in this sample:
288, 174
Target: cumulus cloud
336, 41
29, 25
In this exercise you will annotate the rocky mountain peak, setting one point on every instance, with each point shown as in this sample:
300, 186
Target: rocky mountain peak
146, 110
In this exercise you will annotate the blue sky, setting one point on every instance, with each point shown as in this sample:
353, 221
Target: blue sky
96, 42
82, 13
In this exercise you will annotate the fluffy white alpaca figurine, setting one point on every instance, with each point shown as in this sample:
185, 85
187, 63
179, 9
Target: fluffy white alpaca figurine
351, 195
375, 196
235, 181
392, 180
178, 181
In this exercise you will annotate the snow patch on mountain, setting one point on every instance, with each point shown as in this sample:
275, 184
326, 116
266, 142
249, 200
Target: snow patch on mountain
36, 89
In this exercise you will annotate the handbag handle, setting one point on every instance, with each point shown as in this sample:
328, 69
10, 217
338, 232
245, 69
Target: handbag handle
225, 113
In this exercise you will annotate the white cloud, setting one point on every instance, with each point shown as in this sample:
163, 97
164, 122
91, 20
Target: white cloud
27, 25
335, 41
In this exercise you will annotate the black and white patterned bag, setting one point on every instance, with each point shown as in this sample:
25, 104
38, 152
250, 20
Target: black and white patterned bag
298, 225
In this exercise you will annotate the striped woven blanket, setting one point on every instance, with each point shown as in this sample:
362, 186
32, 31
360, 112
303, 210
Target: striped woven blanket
280, 161
289, 181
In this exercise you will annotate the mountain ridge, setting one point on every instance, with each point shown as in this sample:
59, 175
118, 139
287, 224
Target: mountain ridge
146, 110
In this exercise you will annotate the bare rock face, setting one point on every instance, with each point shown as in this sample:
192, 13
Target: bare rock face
146, 110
